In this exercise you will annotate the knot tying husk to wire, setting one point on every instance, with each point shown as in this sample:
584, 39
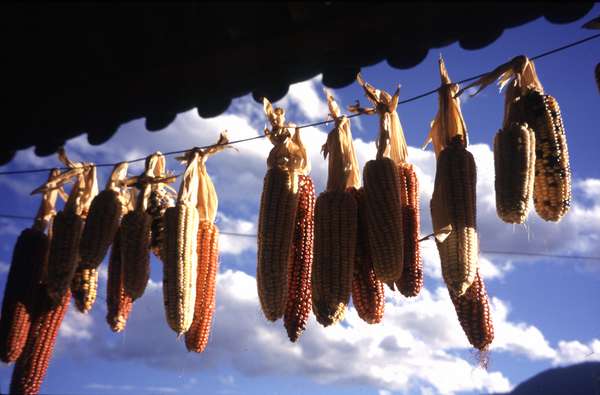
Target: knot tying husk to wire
391, 142
448, 124
343, 169
154, 176
288, 152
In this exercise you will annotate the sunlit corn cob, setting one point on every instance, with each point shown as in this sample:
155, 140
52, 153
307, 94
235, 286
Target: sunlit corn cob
32, 365
367, 291
552, 185
84, 288
514, 162
100, 228
118, 302
453, 208
473, 312
28, 260
299, 299
382, 186
411, 281
63, 257
158, 202
278, 205
196, 338
336, 223
135, 252
180, 265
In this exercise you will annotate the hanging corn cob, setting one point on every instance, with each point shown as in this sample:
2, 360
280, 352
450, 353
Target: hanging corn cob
383, 186
528, 110
180, 250
453, 209
278, 205
162, 196
336, 222
367, 291
67, 226
28, 263
118, 302
196, 338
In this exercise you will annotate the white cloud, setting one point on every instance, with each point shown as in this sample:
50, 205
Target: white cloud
76, 326
571, 352
229, 244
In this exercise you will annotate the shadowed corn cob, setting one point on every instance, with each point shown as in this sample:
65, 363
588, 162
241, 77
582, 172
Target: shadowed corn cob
453, 209
552, 185
473, 312
367, 291
135, 246
299, 285
336, 215
196, 338
158, 202
180, 258
411, 281
514, 162
118, 302
28, 260
63, 256
100, 228
279, 202
84, 288
32, 365
384, 212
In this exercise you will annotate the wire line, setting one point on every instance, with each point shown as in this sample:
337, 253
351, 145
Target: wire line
414, 98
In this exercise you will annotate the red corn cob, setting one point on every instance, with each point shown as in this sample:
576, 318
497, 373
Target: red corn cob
118, 302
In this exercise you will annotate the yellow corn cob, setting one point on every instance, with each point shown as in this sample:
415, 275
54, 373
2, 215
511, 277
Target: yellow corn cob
135, 247
514, 161
453, 209
384, 212
367, 291
63, 255
473, 312
100, 228
299, 285
84, 288
196, 338
279, 202
117, 301
552, 185
411, 281
180, 265
28, 260
336, 215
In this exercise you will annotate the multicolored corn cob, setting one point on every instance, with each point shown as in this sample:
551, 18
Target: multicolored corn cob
118, 302
84, 288
135, 256
158, 202
299, 276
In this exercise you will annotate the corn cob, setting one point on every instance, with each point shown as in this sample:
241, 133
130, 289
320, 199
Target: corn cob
473, 312
514, 161
28, 260
367, 291
552, 185
158, 202
196, 338
32, 365
118, 302
336, 215
84, 288
135, 245
453, 209
299, 285
411, 281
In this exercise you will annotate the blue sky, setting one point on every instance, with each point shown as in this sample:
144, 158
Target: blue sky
545, 310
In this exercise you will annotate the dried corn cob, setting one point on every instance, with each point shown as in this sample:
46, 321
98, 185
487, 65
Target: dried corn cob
118, 302
278, 205
473, 312
84, 288
28, 261
196, 338
367, 291
32, 365
411, 281
552, 185
514, 162
135, 245
158, 202
299, 285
